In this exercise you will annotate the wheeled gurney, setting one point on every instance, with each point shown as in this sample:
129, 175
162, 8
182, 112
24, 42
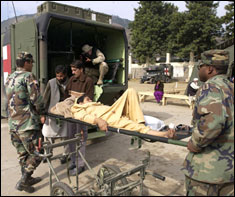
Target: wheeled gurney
180, 134
109, 179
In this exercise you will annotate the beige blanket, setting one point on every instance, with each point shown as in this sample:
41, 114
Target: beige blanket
125, 113
64, 108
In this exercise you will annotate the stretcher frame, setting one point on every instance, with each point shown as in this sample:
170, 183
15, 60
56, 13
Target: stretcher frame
146, 137
108, 187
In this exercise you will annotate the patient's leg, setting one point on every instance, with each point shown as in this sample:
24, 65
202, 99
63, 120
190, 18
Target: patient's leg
127, 105
132, 108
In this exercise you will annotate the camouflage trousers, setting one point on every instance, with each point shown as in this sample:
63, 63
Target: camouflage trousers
197, 188
25, 145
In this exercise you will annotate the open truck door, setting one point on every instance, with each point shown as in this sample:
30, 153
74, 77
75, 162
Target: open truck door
24, 37
20, 37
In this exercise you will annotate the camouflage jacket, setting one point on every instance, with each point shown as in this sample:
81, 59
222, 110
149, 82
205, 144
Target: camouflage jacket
213, 134
24, 101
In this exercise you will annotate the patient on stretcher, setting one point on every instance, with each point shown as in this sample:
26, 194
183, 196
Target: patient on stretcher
125, 113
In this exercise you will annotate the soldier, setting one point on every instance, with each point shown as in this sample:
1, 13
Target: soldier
93, 58
24, 108
209, 166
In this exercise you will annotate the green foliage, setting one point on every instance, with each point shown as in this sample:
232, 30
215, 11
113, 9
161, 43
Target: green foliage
228, 20
174, 38
150, 30
159, 28
200, 29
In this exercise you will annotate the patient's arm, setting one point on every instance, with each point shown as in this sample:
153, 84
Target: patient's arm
169, 133
102, 124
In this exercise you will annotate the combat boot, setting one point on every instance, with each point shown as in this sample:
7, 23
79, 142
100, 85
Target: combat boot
23, 183
32, 180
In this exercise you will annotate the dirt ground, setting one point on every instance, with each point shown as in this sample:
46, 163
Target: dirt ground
166, 159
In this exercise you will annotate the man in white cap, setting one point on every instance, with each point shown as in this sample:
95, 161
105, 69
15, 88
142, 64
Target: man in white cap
95, 65
193, 87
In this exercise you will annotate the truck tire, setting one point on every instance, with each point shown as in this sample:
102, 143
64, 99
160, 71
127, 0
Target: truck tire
157, 78
167, 80
152, 80
141, 81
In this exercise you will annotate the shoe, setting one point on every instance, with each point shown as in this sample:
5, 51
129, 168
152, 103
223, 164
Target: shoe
33, 181
72, 166
80, 170
23, 183
27, 188
63, 160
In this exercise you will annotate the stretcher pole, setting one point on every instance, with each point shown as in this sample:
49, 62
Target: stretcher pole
151, 137
177, 142
127, 132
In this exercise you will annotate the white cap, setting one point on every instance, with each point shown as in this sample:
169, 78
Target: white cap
195, 79
86, 48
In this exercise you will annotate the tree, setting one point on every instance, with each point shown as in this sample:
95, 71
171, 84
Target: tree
228, 19
201, 27
150, 30
173, 40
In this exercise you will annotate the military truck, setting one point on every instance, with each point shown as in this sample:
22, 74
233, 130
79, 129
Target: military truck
163, 72
56, 35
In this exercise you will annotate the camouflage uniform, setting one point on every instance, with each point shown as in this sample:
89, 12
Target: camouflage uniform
210, 171
24, 106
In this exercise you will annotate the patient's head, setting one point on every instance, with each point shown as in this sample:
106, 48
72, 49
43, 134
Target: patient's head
84, 99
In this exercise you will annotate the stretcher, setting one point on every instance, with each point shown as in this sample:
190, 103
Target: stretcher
110, 181
180, 133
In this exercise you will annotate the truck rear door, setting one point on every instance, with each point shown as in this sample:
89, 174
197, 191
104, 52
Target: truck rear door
24, 37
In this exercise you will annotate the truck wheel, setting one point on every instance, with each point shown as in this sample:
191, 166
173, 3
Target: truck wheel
152, 81
168, 80
107, 171
61, 189
141, 81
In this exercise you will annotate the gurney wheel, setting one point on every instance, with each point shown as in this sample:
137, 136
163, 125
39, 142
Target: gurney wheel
107, 171
61, 189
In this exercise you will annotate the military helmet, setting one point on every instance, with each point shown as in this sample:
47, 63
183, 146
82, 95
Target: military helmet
25, 56
216, 57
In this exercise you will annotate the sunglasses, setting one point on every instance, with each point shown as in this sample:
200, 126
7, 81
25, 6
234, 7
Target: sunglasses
200, 66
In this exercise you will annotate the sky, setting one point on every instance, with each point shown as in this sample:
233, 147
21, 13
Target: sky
123, 9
